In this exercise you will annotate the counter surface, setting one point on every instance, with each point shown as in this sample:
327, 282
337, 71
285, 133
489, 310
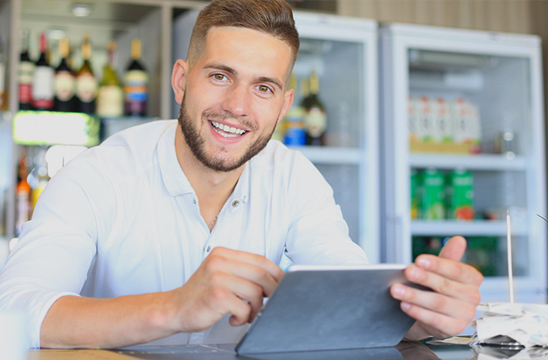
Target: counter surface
404, 351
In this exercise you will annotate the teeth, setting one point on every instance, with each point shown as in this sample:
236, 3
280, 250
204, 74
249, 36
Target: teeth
226, 128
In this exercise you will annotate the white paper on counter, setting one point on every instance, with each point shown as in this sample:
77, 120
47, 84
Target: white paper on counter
527, 324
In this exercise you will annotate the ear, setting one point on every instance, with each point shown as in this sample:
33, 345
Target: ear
288, 101
178, 79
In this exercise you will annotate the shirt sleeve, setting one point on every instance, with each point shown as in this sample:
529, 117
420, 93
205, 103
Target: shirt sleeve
55, 249
318, 234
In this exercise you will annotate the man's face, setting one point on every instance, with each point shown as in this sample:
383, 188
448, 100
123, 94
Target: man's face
234, 95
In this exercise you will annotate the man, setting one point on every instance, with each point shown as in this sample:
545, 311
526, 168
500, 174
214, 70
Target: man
169, 227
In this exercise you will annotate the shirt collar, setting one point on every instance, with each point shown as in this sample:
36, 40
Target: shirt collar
175, 179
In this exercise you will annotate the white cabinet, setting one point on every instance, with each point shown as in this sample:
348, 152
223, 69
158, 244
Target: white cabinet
343, 51
500, 74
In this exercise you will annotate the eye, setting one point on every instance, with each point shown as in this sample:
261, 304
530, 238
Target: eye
264, 89
219, 77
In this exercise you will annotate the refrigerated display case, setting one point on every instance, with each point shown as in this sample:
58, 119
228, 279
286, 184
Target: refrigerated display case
343, 52
455, 100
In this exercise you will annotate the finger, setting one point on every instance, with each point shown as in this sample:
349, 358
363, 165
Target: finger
253, 274
434, 323
251, 259
454, 249
240, 310
449, 269
439, 283
434, 302
247, 292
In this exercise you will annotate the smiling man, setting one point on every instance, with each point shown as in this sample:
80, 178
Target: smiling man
175, 228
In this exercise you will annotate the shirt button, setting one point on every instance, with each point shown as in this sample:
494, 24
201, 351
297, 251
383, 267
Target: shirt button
235, 203
208, 248
194, 201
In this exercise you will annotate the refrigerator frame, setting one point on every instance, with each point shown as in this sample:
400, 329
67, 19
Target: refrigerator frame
395, 41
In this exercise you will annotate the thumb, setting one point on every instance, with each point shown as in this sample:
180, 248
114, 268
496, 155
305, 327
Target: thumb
454, 249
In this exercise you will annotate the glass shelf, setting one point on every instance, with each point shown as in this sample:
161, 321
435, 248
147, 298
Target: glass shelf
465, 228
484, 162
330, 154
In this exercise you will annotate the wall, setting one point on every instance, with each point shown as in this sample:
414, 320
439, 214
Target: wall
493, 15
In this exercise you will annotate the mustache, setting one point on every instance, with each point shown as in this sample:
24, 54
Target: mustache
224, 115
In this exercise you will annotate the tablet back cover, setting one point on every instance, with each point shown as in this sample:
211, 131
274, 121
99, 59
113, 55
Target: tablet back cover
329, 309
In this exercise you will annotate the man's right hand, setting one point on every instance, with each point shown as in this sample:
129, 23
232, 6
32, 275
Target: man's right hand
228, 282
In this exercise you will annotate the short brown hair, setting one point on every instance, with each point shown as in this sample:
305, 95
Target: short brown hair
273, 17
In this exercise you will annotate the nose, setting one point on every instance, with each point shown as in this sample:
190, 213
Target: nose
237, 100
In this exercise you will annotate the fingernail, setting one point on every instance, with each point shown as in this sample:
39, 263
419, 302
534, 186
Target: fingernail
405, 306
399, 290
413, 273
423, 262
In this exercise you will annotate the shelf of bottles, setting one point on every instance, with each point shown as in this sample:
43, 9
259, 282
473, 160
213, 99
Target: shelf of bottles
79, 81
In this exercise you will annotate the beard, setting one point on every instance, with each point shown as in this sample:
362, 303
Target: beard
196, 140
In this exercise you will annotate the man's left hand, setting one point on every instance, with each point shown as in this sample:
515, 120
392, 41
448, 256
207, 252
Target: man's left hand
450, 307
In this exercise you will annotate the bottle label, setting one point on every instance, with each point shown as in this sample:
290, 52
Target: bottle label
110, 101
295, 136
136, 86
64, 85
26, 72
42, 85
86, 87
315, 122
25, 93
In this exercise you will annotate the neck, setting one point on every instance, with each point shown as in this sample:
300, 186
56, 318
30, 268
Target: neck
212, 187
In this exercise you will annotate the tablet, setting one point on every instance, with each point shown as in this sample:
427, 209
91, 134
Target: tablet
330, 308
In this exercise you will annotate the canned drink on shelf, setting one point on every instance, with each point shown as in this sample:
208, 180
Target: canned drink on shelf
433, 195
461, 195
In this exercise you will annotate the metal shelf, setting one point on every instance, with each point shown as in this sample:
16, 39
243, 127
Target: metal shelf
331, 154
483, 162
464, 228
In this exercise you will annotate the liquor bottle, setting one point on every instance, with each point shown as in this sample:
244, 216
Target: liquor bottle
42, 84
110, 98
86, 84
22, 195
65, 81
295, 133
38, 177
136, 83
26, 73
315, 119
3, 63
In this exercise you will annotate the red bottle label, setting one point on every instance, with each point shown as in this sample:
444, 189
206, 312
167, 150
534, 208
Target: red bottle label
43, 104
25, 93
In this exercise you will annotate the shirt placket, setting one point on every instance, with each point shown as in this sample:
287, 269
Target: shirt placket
225, 226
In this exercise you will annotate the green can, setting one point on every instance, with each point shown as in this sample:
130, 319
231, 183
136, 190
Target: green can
433, 195
461, 195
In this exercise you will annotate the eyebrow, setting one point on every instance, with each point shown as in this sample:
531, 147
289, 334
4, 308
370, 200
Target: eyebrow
232, 71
